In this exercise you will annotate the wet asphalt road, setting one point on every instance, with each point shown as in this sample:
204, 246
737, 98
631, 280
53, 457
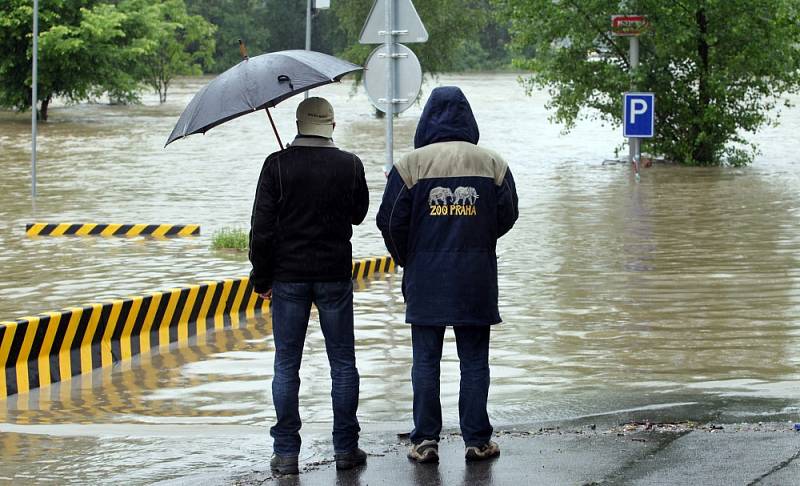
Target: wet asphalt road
627, 449
706, 457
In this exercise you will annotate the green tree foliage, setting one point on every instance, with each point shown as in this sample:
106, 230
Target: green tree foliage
465, 34
180, 43
88, 49
83, 52
286, 21
15, 43
488, 49
719, 68
266, 26
236, 19
450, 23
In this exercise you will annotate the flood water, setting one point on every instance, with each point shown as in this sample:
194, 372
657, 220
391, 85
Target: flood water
683, 288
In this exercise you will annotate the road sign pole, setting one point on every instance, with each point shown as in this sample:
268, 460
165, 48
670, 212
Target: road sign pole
308, 31
34, 96
634, 149
631, 26
388, 22
390, 84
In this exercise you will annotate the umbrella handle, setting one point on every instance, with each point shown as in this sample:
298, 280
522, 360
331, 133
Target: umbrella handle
280, 144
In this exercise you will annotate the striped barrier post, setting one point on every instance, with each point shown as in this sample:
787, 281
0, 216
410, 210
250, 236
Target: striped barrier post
93, 229
36, 351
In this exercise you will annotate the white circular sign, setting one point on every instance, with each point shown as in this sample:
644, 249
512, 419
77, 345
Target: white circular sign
408, 77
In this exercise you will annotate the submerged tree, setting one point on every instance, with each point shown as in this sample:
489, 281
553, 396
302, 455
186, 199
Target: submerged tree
235, 19
83, 52
448, 22
719, 68
180, 43
88, 49
464, 33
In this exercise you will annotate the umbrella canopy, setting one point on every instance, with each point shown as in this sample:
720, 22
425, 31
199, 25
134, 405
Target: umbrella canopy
257, 83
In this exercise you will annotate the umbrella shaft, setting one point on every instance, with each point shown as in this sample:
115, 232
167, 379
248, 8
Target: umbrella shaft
271, 122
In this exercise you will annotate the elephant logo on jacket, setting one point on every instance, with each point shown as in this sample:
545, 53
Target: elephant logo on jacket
440, 195
445, 202
464, 195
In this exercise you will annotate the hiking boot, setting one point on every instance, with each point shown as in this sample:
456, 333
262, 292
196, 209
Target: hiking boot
349, 460
425, 451
284, 464
486, 451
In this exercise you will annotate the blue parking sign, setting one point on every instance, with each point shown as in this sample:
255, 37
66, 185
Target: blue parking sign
638, 116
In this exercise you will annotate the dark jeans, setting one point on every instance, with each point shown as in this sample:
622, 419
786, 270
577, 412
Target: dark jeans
473, 353
291, 306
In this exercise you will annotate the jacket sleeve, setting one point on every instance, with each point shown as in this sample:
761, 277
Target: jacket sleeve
394, 217
263, 228
360, 193
507, 204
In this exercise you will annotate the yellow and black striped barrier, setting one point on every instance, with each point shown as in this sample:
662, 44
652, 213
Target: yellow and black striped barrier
368, 266
36, 351
128, 391
93, 229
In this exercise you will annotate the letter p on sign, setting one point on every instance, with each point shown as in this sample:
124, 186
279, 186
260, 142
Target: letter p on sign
638, 115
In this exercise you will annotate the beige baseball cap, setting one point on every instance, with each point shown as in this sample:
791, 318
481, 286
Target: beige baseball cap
315, 117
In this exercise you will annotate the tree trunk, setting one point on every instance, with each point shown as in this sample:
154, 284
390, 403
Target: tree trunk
702, 143
45, 105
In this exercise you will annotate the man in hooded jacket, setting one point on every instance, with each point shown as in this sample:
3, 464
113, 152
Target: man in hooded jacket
444, 207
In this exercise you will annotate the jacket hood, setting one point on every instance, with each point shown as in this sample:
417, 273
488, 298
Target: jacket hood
447, 117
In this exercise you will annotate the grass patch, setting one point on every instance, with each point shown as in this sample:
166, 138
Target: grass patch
230, 239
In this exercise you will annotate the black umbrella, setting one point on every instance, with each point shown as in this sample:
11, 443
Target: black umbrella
258, 83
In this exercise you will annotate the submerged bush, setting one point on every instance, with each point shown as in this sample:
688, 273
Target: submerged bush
720, 69
230, 239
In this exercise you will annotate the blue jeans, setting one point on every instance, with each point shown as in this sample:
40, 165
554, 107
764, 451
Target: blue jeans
290, 307
472, 343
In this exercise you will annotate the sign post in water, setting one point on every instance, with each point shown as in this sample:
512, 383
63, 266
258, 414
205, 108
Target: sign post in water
393, 76
632, 26
638, 121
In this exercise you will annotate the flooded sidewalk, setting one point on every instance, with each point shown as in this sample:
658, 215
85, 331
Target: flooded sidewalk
577, 453
680, 292
201, 414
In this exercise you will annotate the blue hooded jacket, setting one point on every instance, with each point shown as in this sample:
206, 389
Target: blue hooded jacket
443, 209
447, 117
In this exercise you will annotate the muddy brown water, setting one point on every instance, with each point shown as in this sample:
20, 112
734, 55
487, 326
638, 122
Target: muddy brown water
678, 290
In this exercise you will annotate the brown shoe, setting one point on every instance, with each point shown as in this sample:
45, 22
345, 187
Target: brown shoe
486, 451
424, 452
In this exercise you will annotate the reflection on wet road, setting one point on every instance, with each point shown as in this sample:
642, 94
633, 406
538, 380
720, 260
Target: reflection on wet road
615, 295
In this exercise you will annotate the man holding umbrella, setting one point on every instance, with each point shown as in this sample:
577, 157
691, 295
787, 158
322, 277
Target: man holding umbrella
308, 197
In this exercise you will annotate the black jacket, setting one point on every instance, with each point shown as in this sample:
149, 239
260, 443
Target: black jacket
308, 197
